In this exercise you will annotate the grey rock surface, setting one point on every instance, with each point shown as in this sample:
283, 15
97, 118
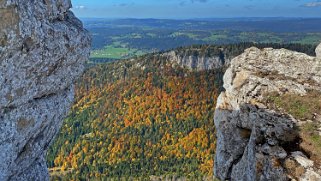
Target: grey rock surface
198, 62
42, 50
318, 51
252, 140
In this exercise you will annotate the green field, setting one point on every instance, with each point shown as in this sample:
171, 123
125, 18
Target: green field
116, 52
216, 36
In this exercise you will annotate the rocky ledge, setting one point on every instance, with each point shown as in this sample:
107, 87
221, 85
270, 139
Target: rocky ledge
42, 51
268, 119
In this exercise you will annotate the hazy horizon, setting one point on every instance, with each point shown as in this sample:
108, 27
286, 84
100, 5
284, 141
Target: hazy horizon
195, 18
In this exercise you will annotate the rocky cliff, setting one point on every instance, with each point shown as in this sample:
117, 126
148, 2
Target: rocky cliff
268, 119
198, 62
42, 50
207, 57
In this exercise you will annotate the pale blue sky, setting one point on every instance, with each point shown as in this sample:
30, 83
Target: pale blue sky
178, 9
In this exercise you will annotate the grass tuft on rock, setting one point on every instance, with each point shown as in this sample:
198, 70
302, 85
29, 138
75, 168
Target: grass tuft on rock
300, 107
311, 141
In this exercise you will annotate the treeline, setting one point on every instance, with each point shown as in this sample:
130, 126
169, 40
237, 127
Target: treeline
227, 51
233, 50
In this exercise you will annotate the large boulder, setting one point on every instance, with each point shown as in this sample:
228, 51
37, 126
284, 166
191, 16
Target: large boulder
42, 50
255, 140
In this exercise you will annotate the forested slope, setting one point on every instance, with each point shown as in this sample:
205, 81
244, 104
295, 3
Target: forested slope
143, 117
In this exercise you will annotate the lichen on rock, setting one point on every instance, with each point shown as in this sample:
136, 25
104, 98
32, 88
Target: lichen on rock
257, 141
42, 50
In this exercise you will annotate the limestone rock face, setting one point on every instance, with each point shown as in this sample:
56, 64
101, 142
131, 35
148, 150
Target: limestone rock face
253, 141
42, 50
198, 62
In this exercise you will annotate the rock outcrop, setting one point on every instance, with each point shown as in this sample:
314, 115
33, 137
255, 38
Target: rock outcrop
42, 51
258, 141
198, 62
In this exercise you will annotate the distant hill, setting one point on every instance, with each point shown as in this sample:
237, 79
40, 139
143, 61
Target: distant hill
115, 39
276, 24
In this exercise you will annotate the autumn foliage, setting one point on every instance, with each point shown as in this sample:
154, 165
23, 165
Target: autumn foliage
142, 117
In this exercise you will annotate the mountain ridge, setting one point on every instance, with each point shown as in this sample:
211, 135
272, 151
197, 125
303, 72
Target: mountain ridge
116, 104
153, 115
